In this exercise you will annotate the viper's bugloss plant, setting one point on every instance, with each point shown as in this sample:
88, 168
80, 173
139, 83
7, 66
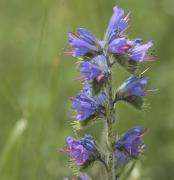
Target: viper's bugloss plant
98, 98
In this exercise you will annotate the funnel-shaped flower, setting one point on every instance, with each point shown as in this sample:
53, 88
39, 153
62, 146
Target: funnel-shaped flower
131, 143
117, 24
95, 69
88, 106
133, 86
83, 44
85, 106
138, 52
119, 46
132, 91
83, 150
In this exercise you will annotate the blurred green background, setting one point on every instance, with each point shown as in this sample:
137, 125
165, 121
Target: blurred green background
36, 81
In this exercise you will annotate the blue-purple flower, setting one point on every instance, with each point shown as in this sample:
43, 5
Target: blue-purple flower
133, 50
88, 106
82, 151
131, 143
117, 24
132, 91
119, 46
133, 86
95, 69
138, 52
84, 43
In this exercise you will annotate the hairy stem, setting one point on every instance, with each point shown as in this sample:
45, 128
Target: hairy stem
110, 133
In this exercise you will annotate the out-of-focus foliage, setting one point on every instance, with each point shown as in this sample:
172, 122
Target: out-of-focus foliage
37, 81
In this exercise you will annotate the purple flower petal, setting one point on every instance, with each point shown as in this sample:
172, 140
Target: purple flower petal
133, 86
84, 43
79, 149
87, 89
139, 52
87, 106
119, 46
95, 68
89, 70
87, 36
131, 142
115, 19
117, 24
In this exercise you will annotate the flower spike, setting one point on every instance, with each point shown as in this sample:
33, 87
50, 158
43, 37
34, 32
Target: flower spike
96, 101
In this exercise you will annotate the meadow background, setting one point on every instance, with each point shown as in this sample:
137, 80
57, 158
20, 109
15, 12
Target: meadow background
37, 80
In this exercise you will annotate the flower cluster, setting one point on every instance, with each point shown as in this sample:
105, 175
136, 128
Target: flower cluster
95, 100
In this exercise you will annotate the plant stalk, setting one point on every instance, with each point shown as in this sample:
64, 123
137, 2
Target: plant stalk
110, 133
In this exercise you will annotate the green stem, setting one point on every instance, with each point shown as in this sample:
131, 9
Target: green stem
104, 164
128, 173
110, 133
